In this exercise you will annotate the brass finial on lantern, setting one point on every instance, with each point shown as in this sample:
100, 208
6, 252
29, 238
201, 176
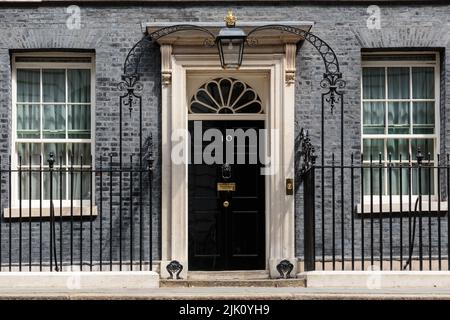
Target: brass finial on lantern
230, 42
230, 19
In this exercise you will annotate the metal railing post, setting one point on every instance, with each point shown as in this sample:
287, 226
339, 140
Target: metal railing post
309, 223
51, 162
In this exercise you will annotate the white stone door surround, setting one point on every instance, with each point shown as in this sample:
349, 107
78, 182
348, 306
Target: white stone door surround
278, 64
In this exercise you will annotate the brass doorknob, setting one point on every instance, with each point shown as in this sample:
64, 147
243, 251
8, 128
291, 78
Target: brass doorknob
226, 204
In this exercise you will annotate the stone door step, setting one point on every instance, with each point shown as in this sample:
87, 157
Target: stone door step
275, 283
228, 275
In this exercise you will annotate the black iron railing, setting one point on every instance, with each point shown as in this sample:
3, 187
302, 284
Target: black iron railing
76, 217
376, 214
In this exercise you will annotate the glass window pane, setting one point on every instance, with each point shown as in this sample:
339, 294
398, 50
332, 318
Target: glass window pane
394, 181
426, 180
28, 121
373, 147
79, 121
372, 182
54, 121
373, 117
58, 149
28, 85
423, 117
373, 83
58, 184
78, 151
81, 184
426, 147
397, 147
423, 82
54, 85
398, 83
79, 85
398, 117
24, 183
27, 150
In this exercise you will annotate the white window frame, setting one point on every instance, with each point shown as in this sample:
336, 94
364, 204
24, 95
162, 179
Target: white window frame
436, 136
14, 140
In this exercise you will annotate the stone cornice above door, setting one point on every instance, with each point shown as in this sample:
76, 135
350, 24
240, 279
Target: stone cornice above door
194, 39
193, 42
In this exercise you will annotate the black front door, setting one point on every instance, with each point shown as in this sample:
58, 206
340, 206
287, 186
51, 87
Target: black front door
226, 199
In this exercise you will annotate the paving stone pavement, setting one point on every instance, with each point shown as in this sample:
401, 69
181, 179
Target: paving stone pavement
231, 293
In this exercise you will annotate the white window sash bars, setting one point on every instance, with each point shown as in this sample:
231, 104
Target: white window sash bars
39, 62
410, 63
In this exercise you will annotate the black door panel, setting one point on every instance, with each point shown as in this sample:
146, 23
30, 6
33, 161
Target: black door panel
226, 228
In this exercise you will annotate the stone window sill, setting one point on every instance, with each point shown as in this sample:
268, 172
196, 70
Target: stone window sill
14, 213
386, 208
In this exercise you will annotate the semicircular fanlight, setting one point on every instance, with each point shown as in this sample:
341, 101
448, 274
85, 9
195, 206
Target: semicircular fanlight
225, 95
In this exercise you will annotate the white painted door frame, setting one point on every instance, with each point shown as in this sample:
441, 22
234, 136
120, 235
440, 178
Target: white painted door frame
280, 221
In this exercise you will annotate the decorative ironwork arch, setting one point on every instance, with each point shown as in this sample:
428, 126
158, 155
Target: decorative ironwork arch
327, 53
332, 77
332, 81
134, 56
131, 86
